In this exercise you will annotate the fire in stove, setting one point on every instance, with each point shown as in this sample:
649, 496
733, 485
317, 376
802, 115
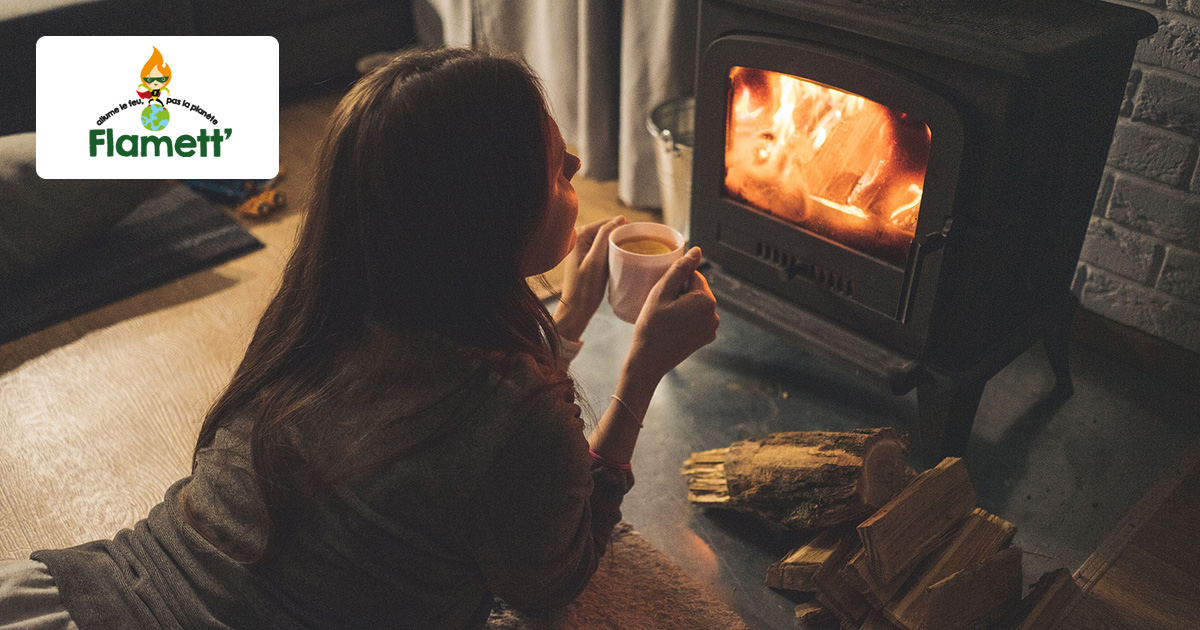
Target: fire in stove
829, 161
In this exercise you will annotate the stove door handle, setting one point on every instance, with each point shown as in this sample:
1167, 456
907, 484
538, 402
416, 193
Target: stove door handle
920, 247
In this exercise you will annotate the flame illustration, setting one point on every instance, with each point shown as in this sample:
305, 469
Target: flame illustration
156, 61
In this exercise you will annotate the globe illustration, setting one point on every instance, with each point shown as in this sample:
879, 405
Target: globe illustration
155, 117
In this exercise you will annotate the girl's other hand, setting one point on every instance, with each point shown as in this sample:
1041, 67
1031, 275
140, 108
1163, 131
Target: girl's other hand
679, 317
586, 277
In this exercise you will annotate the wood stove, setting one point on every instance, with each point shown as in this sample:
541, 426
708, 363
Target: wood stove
905, 185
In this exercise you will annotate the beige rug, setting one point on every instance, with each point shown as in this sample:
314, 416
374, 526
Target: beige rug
637, 587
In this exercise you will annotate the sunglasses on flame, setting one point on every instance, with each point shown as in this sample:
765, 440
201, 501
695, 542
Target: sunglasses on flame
159, 79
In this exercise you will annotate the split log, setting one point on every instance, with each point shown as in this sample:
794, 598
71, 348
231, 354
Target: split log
1048, 602
852, 575
911, 525
879, 592
876, 621
814, 616
796, 570
803, 479
976, 597
979, 537
705, 471
832, 589
876, 591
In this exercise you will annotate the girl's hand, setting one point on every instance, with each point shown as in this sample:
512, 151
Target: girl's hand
586, 277
679, 317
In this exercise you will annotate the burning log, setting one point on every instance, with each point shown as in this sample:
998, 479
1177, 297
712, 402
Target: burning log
791, 139
802, 479
833, 162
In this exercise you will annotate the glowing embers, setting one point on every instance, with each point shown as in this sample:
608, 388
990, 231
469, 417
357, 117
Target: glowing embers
832, 162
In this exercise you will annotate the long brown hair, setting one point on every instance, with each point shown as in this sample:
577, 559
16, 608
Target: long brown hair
433, 173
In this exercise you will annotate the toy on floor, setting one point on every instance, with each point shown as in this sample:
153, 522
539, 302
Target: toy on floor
249, 197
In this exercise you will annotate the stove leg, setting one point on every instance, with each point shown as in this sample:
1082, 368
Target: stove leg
947, 407
1057, 344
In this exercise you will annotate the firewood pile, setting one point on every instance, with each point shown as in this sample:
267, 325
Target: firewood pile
891, 549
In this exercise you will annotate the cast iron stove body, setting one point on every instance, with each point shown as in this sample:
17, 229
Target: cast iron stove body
906, 185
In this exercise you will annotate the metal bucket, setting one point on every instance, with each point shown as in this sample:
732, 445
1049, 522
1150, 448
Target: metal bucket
673, 126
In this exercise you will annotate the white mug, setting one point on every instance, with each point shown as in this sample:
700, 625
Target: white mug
631, 276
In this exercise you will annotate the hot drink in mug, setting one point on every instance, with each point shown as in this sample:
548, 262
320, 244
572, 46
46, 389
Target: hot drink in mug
638, 255
647, 245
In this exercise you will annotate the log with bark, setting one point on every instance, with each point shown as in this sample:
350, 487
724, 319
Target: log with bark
803, 479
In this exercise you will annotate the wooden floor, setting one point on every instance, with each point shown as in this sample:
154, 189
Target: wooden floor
98, 415
1146, 574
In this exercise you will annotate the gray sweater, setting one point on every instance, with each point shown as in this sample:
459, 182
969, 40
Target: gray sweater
500, 498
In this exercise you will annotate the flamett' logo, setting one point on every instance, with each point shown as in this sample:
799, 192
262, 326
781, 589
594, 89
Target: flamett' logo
155, 75
157, 107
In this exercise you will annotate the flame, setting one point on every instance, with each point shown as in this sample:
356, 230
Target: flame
819, 137
900, 215
828, 160
841, 207
743, 106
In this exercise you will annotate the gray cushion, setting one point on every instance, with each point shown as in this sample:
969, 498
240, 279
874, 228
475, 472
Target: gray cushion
41, 219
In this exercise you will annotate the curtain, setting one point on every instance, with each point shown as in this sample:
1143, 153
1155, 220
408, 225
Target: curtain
605, 65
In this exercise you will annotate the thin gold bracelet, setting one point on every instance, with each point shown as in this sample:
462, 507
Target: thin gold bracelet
626, 406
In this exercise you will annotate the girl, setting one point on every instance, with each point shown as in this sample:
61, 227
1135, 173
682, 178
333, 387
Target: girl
400, 443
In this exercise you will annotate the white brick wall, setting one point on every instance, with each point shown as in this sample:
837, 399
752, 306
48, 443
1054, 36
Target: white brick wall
1140, 264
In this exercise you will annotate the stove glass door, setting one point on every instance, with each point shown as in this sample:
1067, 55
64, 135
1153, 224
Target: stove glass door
828, 161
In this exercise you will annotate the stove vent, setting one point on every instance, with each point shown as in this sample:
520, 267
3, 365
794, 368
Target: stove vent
790, 267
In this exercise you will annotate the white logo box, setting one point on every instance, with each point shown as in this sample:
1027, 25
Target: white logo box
226, 86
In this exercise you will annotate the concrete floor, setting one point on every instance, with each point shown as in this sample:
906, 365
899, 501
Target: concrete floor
1064, 472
